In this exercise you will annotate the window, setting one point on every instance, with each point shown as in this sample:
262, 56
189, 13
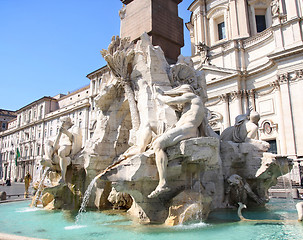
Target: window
221, 31
41, 111
261, 23
3, 125
218, 22
273, 146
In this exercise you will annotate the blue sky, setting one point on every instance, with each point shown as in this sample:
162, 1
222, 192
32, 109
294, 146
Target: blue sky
49, 46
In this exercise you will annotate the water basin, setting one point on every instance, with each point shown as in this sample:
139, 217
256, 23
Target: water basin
19, 219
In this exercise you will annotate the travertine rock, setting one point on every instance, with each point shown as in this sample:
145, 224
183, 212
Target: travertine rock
46, 199
137, 131
186, 170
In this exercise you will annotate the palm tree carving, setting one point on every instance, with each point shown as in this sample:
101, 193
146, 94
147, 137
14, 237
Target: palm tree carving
119, 57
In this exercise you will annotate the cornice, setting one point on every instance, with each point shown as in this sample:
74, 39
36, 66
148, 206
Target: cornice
286, 52
49, 116
259, 38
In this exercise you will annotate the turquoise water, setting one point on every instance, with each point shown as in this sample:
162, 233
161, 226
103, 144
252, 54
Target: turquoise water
19, 219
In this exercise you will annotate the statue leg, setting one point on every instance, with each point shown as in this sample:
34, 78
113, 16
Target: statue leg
167, 139
161, 162
64, 161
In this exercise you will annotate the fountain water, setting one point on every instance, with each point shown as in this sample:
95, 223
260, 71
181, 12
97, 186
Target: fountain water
57, 225
37, 196
90, 187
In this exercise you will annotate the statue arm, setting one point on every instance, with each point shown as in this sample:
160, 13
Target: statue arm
69, 134
175, 100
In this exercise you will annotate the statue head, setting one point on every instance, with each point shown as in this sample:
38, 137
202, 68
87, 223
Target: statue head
66, 121
235, 180
254, 117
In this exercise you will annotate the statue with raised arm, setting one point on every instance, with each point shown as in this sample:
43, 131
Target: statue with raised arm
68, 142
184, 98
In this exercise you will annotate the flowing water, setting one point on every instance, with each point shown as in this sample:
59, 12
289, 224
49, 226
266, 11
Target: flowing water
39, 190
90, 188
86, 199
17, 218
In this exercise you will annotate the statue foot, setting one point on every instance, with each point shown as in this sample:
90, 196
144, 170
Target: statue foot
158, 191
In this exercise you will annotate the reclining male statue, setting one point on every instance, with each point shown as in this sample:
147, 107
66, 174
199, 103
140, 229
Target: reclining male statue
68, 142
245, 128
186, 127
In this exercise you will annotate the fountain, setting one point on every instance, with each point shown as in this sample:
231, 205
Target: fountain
154, 154
153, 143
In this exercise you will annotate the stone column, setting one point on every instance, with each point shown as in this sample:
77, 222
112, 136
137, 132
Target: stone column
253, 21
86, 123
199, 23
196, 32
243, 18
237, 96
292, 9
251, 98
226, 115
22, 170
233, 17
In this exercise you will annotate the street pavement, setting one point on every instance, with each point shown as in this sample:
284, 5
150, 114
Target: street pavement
15, 189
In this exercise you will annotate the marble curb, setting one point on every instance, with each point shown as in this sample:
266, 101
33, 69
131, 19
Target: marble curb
4, 236
15, 200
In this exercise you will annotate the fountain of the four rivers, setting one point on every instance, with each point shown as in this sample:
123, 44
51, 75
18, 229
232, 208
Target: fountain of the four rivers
155, 160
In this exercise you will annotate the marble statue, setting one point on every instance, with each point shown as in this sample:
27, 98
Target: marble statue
60, 152
275, 8
187, 127
120, 200
238, 190
245, 128
204, 50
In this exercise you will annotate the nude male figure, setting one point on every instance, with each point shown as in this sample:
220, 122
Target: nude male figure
186, 127
65, 146
68, 142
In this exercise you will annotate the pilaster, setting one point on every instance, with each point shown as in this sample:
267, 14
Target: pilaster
291, 9
287, 116
226, 115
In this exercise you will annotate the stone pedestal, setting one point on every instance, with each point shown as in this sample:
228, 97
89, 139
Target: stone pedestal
194, 166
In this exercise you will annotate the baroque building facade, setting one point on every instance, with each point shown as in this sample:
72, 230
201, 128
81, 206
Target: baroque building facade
251, 53
36, 122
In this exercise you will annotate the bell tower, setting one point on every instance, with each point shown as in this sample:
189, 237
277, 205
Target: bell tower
159, 19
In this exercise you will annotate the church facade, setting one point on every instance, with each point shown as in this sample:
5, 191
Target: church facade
251, 53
